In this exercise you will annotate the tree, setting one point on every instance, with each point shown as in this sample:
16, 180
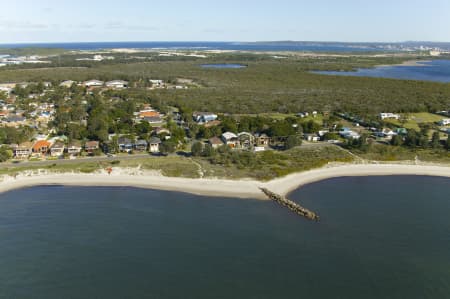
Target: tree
208, 151
197, 149
167, 147
5, 154
3, 96
448, 143
396, 140
411, 138
435, 140
292, 141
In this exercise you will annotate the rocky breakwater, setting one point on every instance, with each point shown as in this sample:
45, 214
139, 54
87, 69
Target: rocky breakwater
296, 208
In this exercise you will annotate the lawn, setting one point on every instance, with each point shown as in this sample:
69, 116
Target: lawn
412, 120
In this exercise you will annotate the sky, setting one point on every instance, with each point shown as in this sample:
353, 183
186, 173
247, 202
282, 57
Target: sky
231, 20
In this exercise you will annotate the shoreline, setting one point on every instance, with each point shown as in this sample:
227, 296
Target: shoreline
247, 188
414, 62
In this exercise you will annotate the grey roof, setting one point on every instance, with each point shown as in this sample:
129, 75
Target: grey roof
155, 140
141, 142
124, 140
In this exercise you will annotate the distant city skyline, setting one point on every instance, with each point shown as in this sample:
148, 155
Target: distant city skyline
345, 21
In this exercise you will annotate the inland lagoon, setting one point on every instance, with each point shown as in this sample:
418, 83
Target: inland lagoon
435, 70
379, 237
223, 66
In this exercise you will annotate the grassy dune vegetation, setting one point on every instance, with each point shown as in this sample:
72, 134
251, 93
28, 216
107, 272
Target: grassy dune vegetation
262, 166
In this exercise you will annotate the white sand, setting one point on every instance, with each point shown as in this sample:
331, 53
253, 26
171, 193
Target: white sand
214, 187
291, 182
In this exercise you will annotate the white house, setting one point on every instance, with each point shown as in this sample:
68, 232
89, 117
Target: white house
67, 83
154, 145
117, 84
389, 115
204, 117
94, 83
230, 139
74, 148
311, 137
157, 82
57, 149
445, 122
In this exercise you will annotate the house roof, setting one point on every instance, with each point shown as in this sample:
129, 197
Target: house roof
215, 141
155, 119
119, 82
155, 140
229, 135
40, 144
149, 114
75, 143
141, 142
124, 140
92, 144
58, 144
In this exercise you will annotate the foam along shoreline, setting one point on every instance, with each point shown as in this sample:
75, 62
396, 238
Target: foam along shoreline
216, 187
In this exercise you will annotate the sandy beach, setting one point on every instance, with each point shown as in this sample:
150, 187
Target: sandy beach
214, 187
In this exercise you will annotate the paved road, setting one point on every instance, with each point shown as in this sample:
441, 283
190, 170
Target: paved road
75, 161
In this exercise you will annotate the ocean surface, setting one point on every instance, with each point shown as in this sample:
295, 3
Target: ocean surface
379, 237
242, 46
436, 70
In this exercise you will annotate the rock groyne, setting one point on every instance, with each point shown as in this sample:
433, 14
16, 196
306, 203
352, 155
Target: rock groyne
296, 208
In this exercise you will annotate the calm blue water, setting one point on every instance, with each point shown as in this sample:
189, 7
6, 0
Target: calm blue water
380, 237
436, 70
268, 46
223, 66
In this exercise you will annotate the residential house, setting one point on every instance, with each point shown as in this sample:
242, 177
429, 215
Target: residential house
230, 139
117, 84
23, 150
91, 146
156, 82
125, 144
401, 131
74, 148
67, 83
93, 83
385, 133
41, 148
141, 145
349, 134
246, 140
151, 116
154, 145
262, 140
215, 142
14, 121
213, 123
204, 117
389, 115
311, 137
161, 130
153, 120
445, 122
57, 149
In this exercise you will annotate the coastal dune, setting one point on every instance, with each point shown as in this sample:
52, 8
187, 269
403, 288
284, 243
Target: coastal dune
216, 187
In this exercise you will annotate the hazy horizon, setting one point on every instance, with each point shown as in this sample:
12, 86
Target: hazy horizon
227, 41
